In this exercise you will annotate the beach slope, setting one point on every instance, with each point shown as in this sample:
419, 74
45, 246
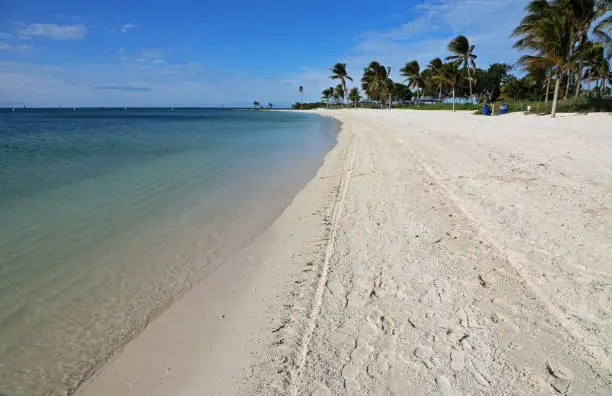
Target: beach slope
434, 253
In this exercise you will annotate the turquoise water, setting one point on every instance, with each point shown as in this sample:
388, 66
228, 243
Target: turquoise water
106, 216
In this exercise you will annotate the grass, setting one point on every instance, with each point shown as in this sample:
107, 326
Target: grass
583, 104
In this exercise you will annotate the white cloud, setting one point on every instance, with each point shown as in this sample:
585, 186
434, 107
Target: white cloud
126, 27
132, 84
52, 31
12, 47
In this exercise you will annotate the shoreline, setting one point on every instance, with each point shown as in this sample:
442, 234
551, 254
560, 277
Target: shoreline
433, 252
254, 275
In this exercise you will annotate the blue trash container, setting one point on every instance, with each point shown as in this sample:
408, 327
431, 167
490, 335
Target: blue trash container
486, 110
503, 109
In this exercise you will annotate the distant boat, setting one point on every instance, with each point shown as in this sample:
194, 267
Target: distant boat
74, 108
172, 108
13, 109
125, 109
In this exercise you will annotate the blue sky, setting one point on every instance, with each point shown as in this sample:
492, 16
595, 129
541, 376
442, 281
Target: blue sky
195, 53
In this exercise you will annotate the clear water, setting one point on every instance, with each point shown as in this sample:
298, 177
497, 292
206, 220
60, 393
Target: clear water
107, 216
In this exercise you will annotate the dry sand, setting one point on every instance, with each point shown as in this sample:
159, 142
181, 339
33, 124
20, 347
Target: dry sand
433, 253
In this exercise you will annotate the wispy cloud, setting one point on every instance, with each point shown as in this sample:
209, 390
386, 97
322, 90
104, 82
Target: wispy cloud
187, 84
126, 27
52, 31
128, 88
13, 47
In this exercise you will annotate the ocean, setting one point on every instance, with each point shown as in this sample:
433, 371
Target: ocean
107, 216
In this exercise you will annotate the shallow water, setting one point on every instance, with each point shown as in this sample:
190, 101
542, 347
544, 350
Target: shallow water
106, 216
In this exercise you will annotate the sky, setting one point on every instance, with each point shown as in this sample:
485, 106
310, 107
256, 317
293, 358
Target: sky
230, 52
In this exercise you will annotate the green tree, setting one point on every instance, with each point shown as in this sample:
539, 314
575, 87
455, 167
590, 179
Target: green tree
354, 96
464, 54
449, 75
600, 31
340, 73
270, 105
488, 82
550, 40
514, 89
376, 82
256, 104
435, 67
327, 94
400, 92
412, 72
339, 93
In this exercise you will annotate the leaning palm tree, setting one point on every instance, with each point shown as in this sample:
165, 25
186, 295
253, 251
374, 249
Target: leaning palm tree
435, 66
551, 42
301, 89
449, 75
602, 29
376, 82
339, 73
354, 96
536, 11
464, 54
412, 72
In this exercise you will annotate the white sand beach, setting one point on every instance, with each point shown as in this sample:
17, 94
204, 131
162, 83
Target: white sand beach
433, 253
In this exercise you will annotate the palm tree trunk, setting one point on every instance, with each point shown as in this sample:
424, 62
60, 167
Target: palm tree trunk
453, 98
470, 81
301, 99
589, 80
569, 79
578, 79
417, 89
548, 88
440, 94
556, 97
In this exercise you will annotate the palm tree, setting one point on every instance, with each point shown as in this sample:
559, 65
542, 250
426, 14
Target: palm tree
600, 31
435, 66
339, 93
594, 63
354, 96
327, 94
256, 104
412, 72
600, 73
301, 89
464, 53
339, 73
376, 82
449, 75
551, 40
270, 105
536, 11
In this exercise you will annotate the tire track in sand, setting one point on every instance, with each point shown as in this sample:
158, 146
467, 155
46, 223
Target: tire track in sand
323, 274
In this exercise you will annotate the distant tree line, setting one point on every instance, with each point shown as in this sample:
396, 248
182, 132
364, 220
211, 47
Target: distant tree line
568, 51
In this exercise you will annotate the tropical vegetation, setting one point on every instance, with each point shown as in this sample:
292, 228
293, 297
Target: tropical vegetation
566, 52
